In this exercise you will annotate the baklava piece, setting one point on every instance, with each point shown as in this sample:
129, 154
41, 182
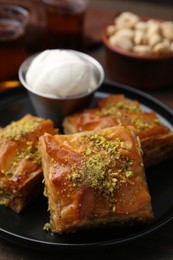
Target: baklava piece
156, 138
94, 178
20, 162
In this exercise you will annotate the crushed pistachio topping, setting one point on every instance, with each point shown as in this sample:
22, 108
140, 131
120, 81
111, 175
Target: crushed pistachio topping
16, 130
26, 153
104, 165
141, 123
119, 107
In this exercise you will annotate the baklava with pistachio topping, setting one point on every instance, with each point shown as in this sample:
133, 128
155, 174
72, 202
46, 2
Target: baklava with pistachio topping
93, 178
156, 138
20, 162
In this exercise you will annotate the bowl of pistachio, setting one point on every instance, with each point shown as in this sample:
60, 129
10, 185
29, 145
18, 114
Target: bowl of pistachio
139, 51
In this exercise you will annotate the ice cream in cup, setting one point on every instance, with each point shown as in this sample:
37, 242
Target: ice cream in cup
60, 82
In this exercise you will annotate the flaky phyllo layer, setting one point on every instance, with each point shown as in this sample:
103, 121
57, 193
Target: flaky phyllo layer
94, 177
156, 138
20, 161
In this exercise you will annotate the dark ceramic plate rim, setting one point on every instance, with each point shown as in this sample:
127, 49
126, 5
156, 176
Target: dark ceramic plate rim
108, 87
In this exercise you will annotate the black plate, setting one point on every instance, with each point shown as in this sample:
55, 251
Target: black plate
27, 227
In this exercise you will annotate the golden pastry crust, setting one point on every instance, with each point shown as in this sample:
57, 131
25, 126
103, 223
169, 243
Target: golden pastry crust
156, 139
94, 177
20, 163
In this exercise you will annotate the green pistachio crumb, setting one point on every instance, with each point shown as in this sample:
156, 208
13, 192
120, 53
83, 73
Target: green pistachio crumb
46, 227
103, 165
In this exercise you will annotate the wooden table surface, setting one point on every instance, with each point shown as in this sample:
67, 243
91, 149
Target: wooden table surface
158, 245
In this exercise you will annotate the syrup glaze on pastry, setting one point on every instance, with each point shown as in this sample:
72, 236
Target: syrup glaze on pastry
20, 162
156, 138
94, 178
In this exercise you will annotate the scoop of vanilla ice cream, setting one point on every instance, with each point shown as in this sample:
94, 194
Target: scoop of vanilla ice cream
60, 73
